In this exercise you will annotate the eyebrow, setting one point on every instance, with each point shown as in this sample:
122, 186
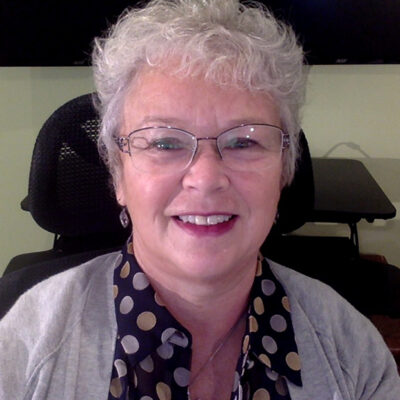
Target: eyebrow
176, 122
161, 120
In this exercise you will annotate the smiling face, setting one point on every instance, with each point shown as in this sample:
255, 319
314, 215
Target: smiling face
206, 222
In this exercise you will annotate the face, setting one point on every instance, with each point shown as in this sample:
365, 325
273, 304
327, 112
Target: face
243, 203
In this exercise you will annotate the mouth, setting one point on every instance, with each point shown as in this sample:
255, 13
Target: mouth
205, 220
201, 226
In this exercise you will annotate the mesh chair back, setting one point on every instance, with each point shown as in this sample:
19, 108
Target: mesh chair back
69, 190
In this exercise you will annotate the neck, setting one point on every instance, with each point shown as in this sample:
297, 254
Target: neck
199, 308
207, 308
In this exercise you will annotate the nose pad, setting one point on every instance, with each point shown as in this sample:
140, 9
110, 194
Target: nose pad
198, 151
206, 171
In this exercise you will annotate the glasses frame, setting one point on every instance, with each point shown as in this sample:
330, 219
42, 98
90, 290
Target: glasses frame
124, 141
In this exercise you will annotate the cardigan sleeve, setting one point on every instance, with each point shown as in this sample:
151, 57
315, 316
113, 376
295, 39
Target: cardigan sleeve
33, 330
57, 341
360, 364
365, 357
20, 333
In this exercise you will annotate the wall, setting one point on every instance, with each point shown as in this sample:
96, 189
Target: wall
27, 97
359, 105
354, 111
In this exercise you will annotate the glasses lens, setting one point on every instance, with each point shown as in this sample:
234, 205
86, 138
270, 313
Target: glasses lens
161, 149
251, 146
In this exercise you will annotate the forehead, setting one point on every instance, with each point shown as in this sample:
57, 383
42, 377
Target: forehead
158, 97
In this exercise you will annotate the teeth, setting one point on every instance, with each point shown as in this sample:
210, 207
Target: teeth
203, 220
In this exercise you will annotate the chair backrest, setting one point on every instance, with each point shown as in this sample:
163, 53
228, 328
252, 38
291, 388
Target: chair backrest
69, 190
297, 199
70, 193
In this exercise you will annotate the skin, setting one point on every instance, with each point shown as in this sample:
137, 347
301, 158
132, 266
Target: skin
204, 280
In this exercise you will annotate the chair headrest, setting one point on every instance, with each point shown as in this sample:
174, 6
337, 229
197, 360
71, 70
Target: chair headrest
68, 178
297, 199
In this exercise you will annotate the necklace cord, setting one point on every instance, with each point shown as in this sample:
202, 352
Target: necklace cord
221, 344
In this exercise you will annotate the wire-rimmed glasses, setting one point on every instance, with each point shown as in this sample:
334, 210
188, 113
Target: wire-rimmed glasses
165, 149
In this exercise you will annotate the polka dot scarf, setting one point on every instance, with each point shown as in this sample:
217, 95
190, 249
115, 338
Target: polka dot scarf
153, 351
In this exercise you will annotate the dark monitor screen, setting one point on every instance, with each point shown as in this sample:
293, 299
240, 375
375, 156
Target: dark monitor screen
60, 33
344, 31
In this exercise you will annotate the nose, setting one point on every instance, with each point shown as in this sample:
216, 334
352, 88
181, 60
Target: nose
206, 172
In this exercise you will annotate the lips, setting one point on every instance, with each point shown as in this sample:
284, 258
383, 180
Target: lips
206, 220
206, 225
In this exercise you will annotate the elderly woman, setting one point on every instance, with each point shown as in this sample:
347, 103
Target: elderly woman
199, 103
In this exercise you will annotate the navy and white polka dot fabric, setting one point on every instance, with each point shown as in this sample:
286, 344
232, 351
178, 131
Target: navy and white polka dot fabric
153, 351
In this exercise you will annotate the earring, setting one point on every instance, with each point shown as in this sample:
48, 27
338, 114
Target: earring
276, 218
124, 218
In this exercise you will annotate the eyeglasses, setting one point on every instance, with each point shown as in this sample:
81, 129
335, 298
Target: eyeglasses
164, 149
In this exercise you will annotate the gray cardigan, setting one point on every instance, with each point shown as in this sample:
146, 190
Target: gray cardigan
57, 342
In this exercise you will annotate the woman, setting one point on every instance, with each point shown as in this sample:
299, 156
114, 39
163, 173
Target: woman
199, 105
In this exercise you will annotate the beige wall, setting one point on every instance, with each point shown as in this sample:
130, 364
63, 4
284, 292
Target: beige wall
358, 109
27, 97
345, 104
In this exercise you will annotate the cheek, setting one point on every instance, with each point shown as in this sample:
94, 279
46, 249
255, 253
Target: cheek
145, 196
266, 196
126, 188
269, 183
269, 199
121, 187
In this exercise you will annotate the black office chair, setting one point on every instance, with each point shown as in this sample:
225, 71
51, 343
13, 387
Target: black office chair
70, 195
67, 179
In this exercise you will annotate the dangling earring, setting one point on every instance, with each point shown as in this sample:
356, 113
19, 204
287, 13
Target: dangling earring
124, 218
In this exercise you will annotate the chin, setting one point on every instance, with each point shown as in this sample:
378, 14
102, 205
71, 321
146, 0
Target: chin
202, 263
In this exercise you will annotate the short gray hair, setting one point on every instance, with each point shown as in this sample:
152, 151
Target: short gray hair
224, 41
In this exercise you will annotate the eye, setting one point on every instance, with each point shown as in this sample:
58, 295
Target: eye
240, 143
166, 143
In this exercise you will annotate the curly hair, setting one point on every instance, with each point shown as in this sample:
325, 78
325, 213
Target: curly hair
223, 41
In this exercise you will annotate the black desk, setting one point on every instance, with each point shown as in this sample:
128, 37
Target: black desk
345, 192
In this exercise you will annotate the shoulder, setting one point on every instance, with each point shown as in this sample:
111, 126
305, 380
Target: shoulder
309, 294
46, 317
318, 305
328, 328
64, 292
